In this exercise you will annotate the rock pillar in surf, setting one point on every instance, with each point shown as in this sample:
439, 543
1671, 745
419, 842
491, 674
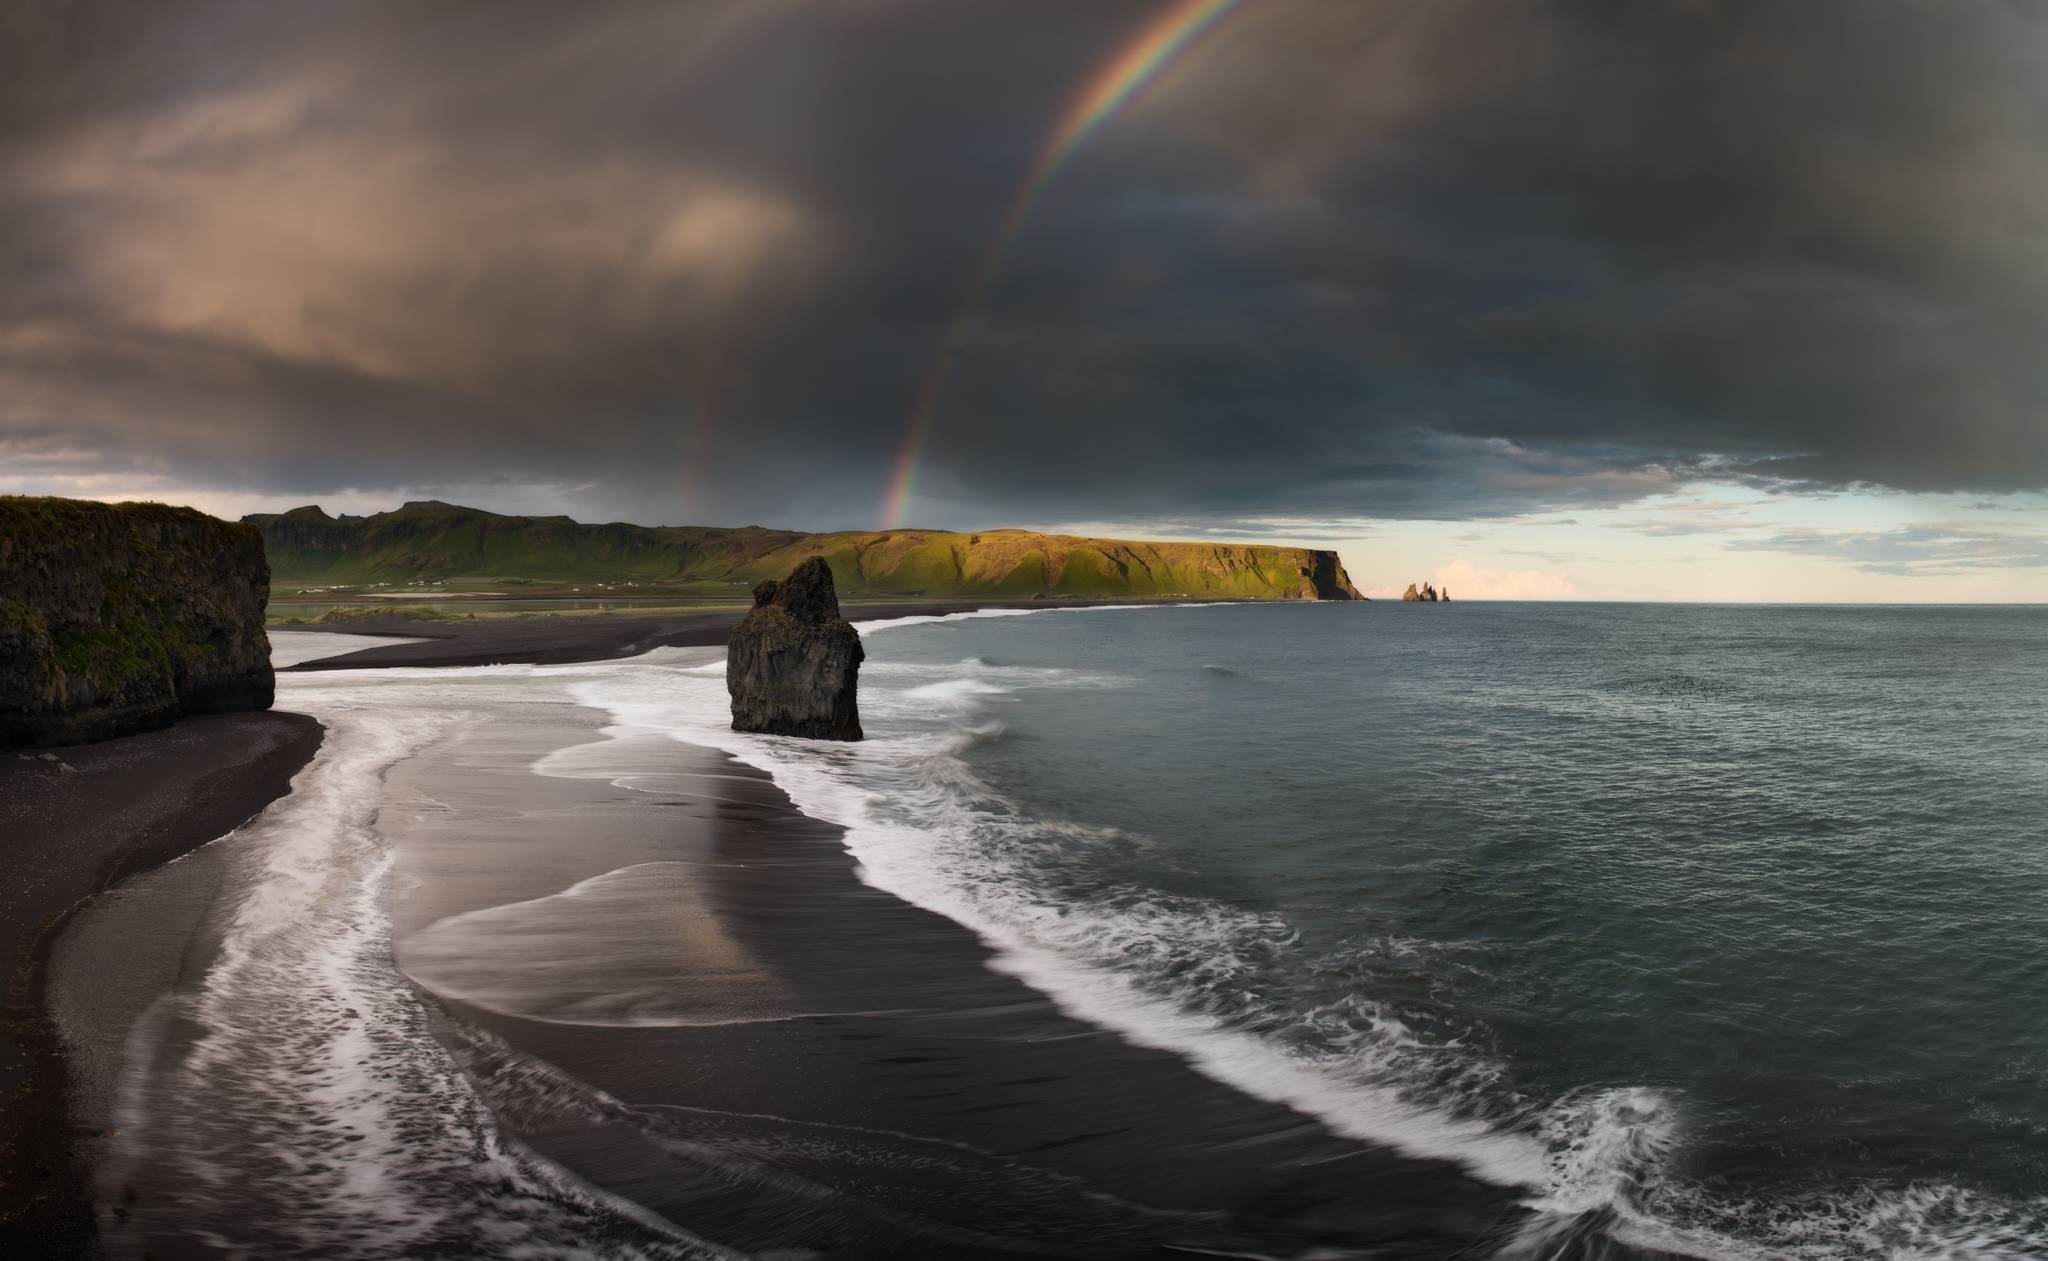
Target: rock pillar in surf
793, 665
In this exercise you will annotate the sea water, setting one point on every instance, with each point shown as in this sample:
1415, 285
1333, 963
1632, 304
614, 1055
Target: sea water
1727, 921
1718, 925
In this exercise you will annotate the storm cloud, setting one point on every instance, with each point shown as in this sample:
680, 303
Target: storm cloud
1391, 258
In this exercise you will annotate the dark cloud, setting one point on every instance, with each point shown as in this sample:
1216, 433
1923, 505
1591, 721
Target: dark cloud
1422, 258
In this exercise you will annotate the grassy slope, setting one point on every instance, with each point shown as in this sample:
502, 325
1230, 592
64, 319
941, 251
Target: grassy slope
439, 541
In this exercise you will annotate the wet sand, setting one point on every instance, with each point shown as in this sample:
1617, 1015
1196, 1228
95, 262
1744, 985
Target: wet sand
76, 822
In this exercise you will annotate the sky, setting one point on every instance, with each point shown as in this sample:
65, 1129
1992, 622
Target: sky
1532, 299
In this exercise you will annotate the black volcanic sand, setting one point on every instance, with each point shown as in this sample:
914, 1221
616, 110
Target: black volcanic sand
561, 638
873, 1088
74, 823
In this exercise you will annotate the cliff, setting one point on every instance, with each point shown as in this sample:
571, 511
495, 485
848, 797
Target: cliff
437, 541
792, 666
117, 618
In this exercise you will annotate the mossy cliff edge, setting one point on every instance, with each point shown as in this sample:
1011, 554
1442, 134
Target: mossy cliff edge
116, 618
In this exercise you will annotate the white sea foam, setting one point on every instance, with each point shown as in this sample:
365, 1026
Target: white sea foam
290, 647
1606, 1146
870, 625
957, 693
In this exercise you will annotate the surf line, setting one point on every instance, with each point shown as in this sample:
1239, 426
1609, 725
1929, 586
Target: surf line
1121, 79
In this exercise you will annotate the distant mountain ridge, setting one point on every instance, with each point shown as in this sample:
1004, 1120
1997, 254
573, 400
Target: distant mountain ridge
430, 540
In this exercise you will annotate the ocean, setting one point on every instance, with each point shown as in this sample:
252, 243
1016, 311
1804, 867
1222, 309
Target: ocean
1709, 930
1728, 916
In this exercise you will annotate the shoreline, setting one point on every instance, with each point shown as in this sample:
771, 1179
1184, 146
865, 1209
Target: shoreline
565, 639
830, 1065
824, 1063
826, 1014
78, 822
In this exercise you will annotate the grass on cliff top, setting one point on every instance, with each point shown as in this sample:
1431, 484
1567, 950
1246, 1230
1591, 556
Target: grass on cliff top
50, 518
444, 548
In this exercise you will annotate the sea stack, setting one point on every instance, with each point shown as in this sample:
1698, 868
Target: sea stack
793, 665
116, 618
1421, 595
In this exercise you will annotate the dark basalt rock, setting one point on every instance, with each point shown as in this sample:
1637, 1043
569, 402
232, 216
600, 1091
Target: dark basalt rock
117, 618
1327, 579
1423, 594
792, 665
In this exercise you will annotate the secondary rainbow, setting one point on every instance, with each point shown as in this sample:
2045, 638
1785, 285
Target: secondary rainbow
1121, 78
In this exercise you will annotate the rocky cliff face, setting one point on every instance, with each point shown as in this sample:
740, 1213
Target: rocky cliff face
117, 618
792, 666
1327, 579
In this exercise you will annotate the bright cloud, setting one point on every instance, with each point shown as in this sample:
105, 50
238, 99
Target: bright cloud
1466, 581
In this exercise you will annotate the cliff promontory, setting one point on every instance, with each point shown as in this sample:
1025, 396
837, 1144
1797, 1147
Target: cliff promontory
793, 664
431, 541
117, 618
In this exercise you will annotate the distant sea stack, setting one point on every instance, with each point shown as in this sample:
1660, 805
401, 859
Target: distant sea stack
117, 618
1424, 594
793, 664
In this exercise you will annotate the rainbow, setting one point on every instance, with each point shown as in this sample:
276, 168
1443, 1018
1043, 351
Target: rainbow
1120, 79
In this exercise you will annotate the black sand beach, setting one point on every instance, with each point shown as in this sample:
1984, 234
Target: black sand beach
806, 1063
74, 823
558, 639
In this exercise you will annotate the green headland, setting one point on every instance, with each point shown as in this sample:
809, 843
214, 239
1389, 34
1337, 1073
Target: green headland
434, 548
